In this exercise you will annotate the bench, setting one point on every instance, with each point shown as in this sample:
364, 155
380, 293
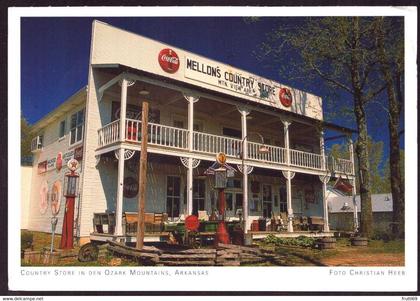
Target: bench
316, 223
153, 222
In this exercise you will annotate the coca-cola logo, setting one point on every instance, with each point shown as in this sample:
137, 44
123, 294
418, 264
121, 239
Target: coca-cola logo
285, 97
168, 60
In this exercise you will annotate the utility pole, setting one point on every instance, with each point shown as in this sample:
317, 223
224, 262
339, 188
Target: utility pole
142, 175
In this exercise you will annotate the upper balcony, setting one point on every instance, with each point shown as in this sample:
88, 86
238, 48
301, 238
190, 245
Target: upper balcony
176, 139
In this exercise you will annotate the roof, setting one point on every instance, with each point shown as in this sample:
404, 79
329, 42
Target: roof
72, 102
380, 203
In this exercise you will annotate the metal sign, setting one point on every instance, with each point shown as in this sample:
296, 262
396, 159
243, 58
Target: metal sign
168, 60
56, 198
73, 164
221, 158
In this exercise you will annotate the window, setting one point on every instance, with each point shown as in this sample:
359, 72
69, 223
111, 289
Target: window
178, 124
76, 126
232, 133
283, 199
233, 183
62, 130
199, 192
173, 196
229, 201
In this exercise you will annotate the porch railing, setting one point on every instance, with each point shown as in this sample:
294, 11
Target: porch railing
168, 136
340, 165
304, 159
109, 133
275, 154
158, 134
213, 144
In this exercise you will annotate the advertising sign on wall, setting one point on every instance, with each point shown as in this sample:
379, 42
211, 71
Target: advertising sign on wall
225, 77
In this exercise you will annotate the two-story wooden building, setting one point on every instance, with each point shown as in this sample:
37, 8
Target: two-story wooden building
198, 108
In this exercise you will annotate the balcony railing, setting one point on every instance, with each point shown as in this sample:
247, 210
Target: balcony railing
172, 137
340, 165
305, 159
213, 144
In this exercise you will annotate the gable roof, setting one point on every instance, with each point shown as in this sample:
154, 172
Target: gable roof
69, 104
380, 203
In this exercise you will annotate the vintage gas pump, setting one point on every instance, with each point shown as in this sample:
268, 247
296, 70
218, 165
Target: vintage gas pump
71, 181
220, 180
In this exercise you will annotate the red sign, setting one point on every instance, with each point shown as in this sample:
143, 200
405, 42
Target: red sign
191, 223
59, 161
42, 167
168, 60
285, 97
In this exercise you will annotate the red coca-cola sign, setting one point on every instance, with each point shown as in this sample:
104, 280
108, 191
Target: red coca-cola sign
168, 60
285, 97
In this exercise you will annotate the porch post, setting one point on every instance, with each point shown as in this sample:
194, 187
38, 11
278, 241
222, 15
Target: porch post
191, 100
286, 124
322, 150
244, 112
325, 179
353, 183
123, 108
119, 204
289, 175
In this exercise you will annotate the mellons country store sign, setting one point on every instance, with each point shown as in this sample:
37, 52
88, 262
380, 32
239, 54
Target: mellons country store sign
228, 78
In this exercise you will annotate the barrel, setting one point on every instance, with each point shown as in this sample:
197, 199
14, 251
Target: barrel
359, 241
254, 226
326, 243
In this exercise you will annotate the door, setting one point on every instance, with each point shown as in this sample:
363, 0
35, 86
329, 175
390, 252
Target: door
173, 195
267, 201
239, 202
199, 193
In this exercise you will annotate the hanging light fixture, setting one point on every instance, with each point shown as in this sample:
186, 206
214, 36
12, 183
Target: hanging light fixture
144, 92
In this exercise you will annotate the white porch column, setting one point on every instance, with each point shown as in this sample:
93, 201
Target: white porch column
244, 112
123, 108
289, 175
120, 182
325, 179
322, 150
191, 100
286, 124
353, 183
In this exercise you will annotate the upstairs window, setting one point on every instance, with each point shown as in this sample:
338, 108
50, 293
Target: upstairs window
76, 126
62, 129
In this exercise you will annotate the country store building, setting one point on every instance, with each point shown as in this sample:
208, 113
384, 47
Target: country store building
198, 108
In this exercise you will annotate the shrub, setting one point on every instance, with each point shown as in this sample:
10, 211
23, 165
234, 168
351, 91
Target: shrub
301, 241
26, 240
381, 235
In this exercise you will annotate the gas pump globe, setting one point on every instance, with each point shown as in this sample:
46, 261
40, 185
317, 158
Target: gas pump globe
71, 188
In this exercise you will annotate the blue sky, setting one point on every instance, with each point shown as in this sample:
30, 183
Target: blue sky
55, 56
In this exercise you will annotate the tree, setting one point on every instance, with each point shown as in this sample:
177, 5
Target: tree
340, 51
375, 150
390, 50
25, 138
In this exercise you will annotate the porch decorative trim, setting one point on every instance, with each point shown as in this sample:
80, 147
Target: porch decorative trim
249, 169
288, 174
98, 159
324, 178
195, 162
128, 154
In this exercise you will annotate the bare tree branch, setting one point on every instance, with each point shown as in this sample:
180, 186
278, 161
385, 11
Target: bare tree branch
331, 80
